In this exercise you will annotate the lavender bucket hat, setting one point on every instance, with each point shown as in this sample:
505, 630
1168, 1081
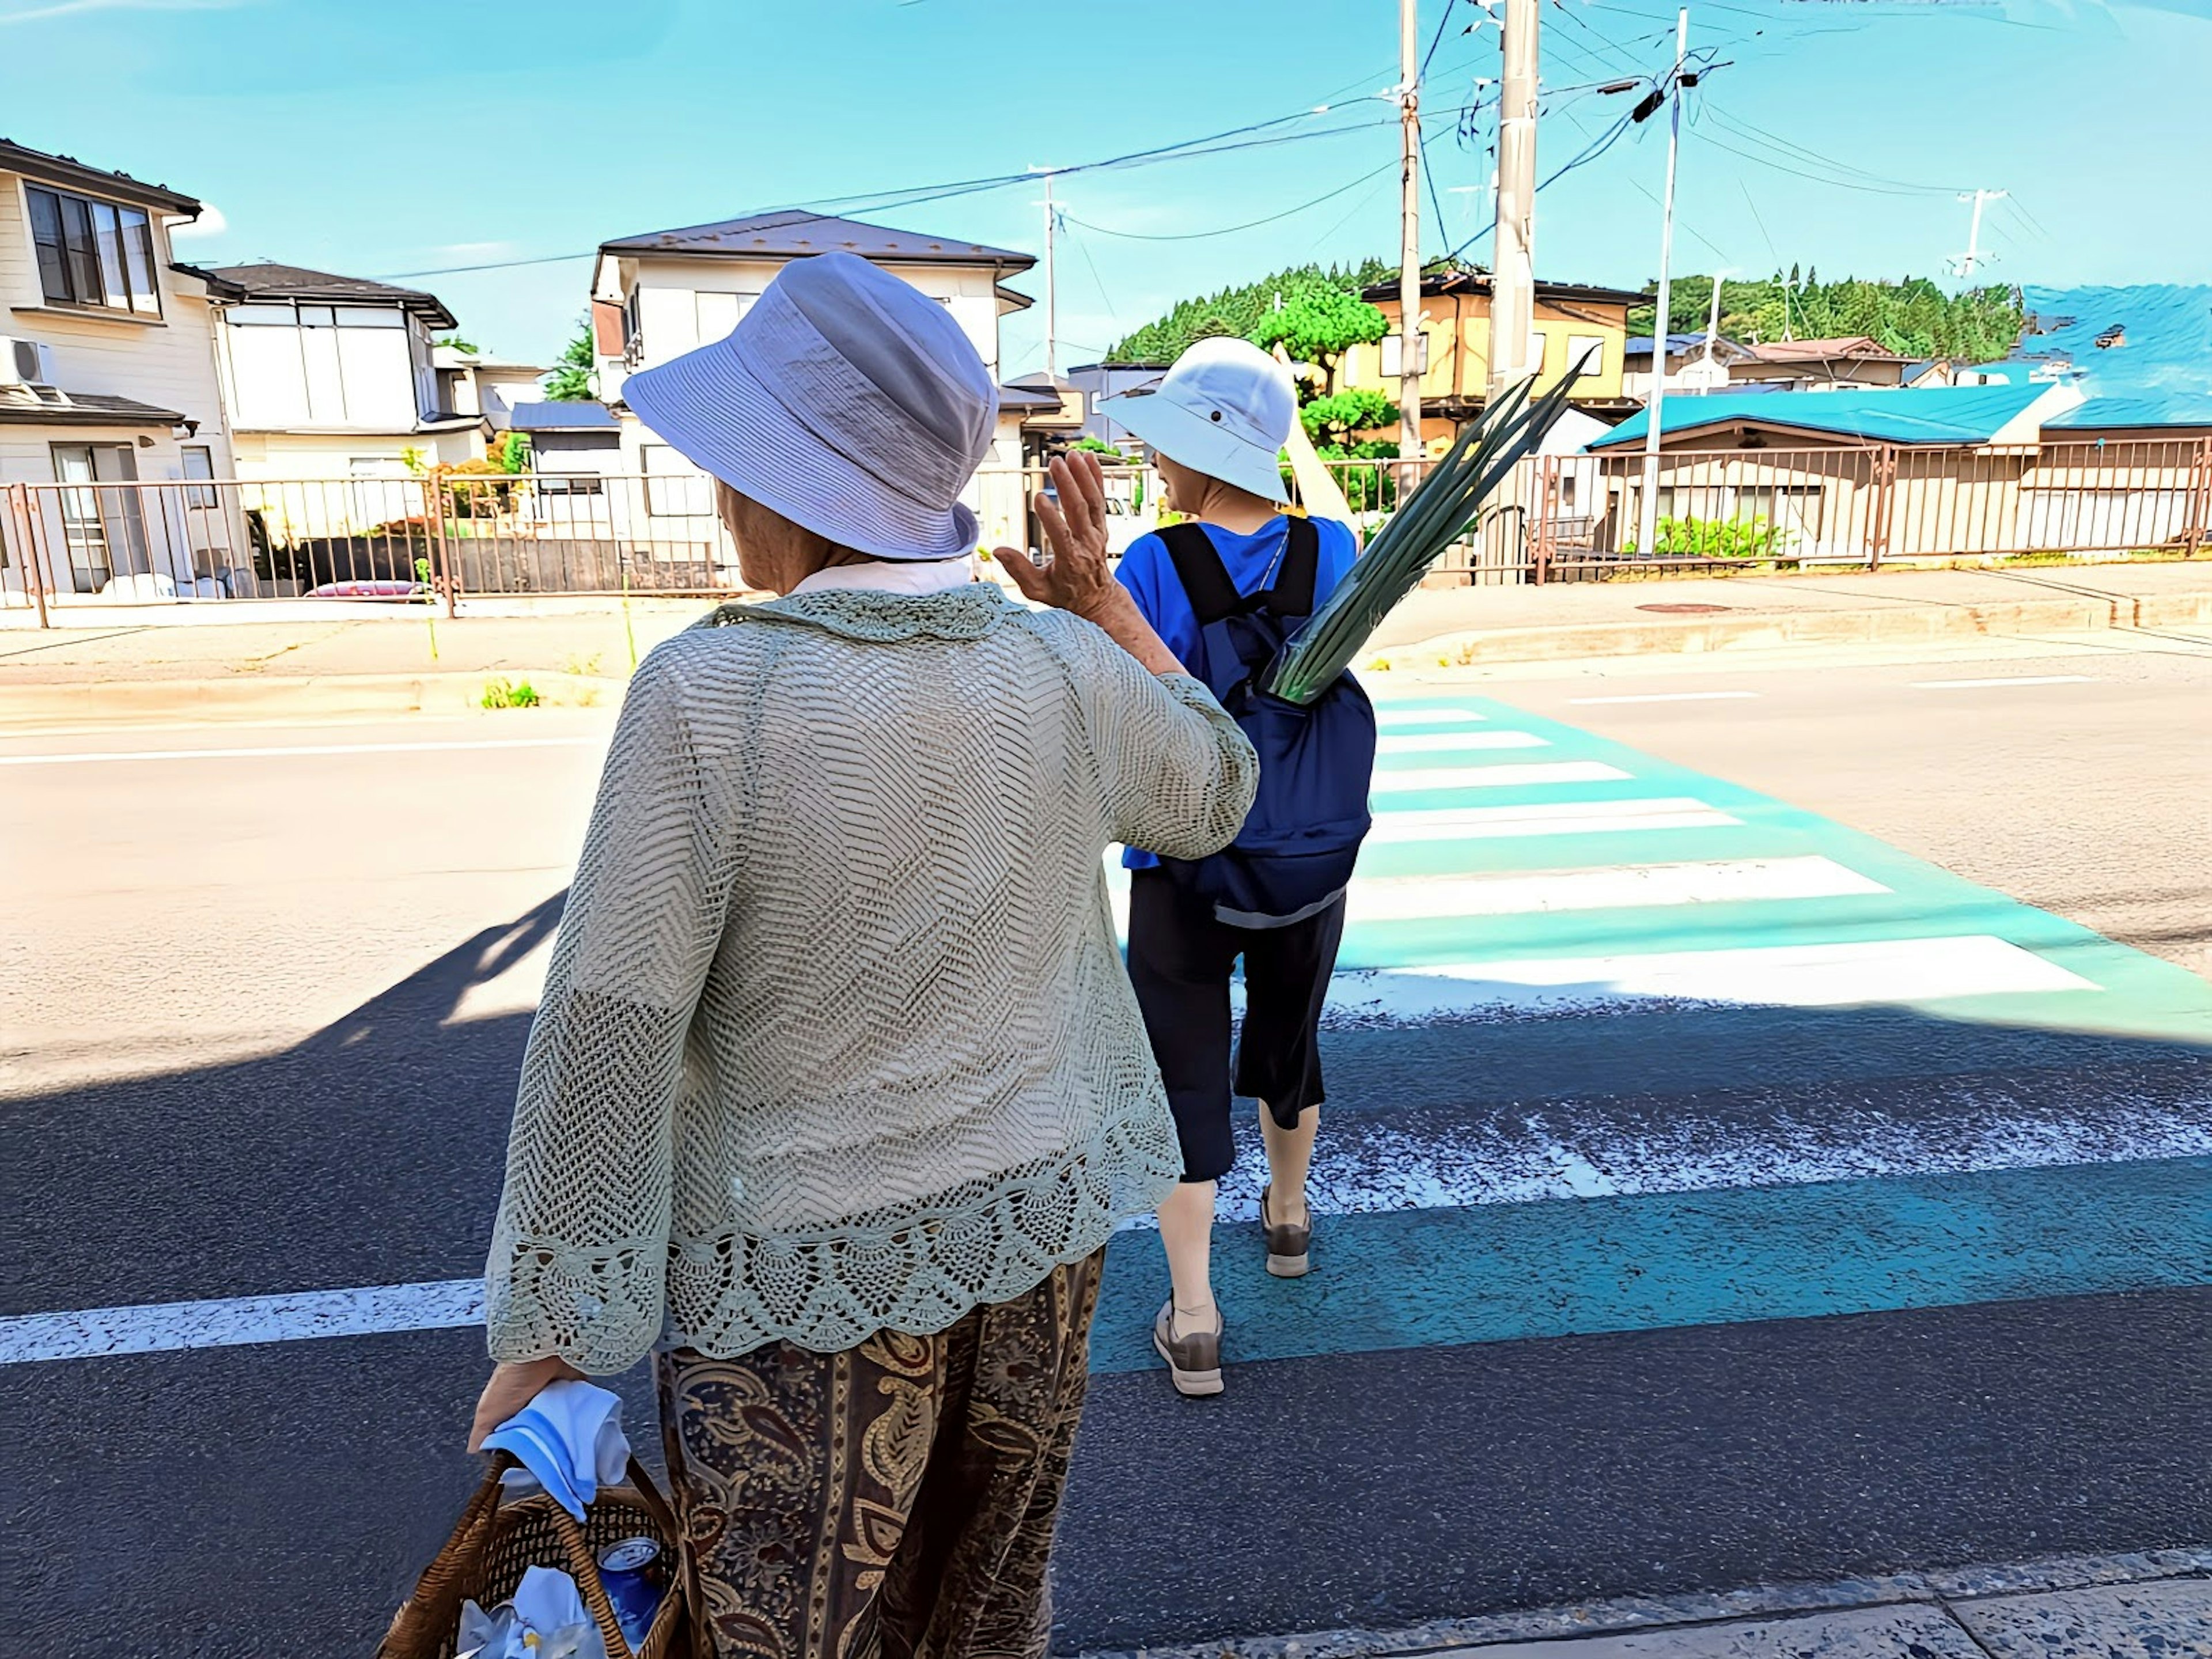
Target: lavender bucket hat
846, 400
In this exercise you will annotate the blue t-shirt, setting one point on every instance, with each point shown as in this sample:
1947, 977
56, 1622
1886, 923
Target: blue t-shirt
1149, 572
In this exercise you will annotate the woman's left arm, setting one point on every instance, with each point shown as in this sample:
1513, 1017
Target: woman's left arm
576, 1278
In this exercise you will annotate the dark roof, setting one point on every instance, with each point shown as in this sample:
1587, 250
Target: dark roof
83, 409
275, 281
575, 415
1011, 396
1477, 282
793, 233
1677, 345
217, 286
68, 170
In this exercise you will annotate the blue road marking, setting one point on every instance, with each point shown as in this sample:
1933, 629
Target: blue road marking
1504, 1273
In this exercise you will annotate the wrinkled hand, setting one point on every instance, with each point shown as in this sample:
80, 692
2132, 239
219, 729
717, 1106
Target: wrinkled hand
1075, 577
512, 1388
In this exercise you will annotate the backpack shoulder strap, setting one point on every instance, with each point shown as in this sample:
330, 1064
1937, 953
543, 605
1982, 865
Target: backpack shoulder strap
1198, 566
1299, 573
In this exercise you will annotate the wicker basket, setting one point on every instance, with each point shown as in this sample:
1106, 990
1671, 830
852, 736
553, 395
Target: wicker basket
495, 1543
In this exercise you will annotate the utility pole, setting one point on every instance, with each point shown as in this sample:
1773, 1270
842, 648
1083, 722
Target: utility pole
1513, 271
1964, 263
1051, 287
1647, 535
1409, 243
1712, 327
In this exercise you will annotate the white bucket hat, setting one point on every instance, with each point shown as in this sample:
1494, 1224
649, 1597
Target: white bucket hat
845, 399
1226, 410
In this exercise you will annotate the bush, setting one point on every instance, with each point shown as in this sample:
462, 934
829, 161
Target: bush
504, 694
1739, 539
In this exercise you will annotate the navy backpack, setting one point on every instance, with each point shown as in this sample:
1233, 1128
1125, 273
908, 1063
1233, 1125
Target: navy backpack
1296, 852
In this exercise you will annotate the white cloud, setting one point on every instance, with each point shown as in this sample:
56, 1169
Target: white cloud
209, 223
39, 11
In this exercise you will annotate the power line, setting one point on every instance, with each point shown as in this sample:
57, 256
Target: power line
1229, 230
1753, 132
1233, 139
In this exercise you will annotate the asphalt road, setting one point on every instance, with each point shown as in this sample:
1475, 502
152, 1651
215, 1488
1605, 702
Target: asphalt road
1615, 1292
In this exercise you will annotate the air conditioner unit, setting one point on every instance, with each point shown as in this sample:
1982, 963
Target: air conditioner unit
25, 362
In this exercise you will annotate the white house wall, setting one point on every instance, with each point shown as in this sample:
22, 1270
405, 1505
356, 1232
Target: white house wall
169, 362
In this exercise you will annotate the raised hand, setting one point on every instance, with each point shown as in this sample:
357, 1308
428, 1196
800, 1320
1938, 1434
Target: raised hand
1074, 576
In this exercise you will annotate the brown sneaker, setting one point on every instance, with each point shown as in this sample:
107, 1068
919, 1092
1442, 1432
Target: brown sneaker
1289, 1249
1193, 1360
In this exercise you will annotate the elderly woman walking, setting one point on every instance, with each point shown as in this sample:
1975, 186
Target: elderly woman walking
838, 1085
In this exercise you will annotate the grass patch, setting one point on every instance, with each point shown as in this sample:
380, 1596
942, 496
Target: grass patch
510, 694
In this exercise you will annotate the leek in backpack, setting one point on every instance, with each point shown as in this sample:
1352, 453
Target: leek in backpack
1437, 512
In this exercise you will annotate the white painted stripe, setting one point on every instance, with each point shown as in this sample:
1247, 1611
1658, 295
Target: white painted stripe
1782, 976
289, 750
1364, 1165
1627, 886
1389, 718
1671, 696
232, 1322
2010, 679
1497, 777
1432, 742
1584, 818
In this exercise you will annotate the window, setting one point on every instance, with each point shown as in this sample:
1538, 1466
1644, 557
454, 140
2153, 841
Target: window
1567, 492
199, 463
1586, 352
571, 483
103, 528
1394, 354
94, 253
376, 466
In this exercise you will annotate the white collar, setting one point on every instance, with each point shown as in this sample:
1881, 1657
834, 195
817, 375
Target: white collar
915, 578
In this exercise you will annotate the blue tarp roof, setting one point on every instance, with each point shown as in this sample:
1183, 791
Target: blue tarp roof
1641, 343
1912, 415
580, 415
2156, 371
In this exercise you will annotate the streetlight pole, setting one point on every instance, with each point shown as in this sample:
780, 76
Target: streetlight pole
1647, 536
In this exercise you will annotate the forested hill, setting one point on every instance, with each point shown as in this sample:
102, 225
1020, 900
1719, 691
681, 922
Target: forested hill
1237, 310
1913, 317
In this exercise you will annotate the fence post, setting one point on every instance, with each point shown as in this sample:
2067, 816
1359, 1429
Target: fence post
1548, 517
19, 515
433, 522
2200, 484
1885, 495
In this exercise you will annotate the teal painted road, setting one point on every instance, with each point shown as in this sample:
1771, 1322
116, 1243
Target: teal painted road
1507, 1273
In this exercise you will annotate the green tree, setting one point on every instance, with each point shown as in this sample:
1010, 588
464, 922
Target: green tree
1331, 422
574, 378
1319, 325
1237, 310
1913, 316
459, 345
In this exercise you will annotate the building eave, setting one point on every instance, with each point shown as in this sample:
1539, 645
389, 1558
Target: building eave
73, 174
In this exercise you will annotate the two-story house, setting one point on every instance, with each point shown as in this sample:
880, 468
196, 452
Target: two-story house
107, 381
660, 294
1575, 324
335, 377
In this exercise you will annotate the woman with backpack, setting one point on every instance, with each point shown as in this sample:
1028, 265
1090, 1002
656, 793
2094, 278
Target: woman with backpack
1225, 589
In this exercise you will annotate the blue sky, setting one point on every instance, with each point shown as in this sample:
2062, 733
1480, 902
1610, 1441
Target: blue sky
392, 137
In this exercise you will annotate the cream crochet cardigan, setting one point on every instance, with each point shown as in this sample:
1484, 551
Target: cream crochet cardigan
836, 1037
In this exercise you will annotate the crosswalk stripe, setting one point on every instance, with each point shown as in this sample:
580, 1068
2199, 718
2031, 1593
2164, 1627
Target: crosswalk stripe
1432, 742
1507, 776
1565, 819
1818, 975
1439, 898
1389, 718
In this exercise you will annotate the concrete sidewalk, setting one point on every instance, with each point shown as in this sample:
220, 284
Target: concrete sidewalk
2131, 1607
293, 658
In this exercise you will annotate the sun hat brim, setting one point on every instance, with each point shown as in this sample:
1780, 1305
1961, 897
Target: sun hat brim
1185, 436
711, 410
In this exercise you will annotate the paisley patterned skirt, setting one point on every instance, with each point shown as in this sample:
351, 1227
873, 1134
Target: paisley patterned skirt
897, 1498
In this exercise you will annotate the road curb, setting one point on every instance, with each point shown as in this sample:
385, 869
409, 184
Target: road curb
244, 697
1685, 1617
1872, 625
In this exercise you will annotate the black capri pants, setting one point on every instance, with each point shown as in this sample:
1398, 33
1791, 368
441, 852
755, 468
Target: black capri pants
1180, 960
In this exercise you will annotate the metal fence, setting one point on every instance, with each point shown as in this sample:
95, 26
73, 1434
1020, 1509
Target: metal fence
1557, 518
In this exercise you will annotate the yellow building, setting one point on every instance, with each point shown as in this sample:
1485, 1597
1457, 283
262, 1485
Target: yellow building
1574, 323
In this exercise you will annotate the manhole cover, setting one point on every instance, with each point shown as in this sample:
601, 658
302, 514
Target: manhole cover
1684, 609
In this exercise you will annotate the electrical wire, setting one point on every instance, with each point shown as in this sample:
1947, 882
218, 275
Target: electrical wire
1230, 230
